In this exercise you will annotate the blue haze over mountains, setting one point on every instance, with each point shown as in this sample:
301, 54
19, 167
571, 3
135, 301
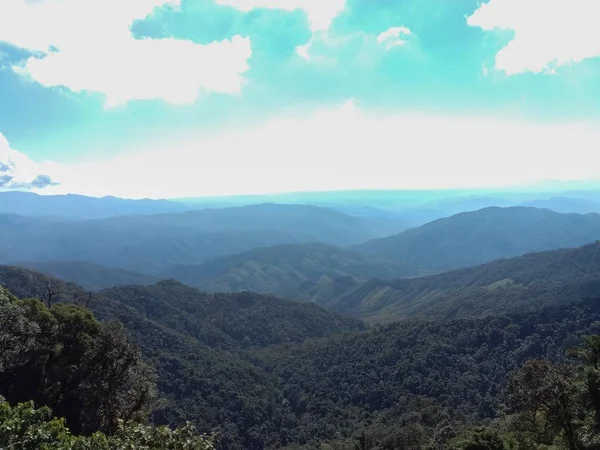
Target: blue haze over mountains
297, 245
279, 297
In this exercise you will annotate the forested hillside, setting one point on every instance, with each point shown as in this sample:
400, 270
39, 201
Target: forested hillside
332, 278
526, 282
263, 372
291, 271
345, 280
61, 360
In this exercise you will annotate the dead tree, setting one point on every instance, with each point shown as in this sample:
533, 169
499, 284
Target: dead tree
50, 291
82, 299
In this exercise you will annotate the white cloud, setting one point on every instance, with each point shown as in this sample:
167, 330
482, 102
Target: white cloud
394, 36
320, 12
346, 148
547, 34
87, 45
17, 171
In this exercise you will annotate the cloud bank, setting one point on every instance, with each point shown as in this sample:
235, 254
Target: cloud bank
17, 171
547, 34
88, 46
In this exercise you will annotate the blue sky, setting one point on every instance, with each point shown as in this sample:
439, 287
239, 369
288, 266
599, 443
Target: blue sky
168, 98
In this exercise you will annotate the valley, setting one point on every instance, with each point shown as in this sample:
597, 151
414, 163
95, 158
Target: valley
324, 335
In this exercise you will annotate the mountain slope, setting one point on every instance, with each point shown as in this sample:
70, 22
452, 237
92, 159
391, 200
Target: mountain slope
90, 276
149, 244
522, 283
290, 271
216, 320
224, 320
223, 363
306, 223
472, 238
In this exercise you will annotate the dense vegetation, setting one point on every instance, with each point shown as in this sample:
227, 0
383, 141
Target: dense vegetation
479, 360
85, 372
261, 372
526, 282
291, 271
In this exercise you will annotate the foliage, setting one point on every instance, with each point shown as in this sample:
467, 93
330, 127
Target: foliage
396, 383
262, 372
543, 394
480, 438
24, 427
222, 320
62, 357
17, 333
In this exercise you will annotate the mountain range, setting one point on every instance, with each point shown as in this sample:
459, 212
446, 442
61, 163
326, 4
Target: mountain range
140, 250
305, 327
291, 271
263, 372
476, 237
151, 243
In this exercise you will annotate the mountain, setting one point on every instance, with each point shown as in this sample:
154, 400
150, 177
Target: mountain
291, 271
81, 207
477, 237
527, 282
339, 278
224, 320
304, 222
90, 276
151, 243
196, 342
265, 373
566, 204
220, 320
27, 283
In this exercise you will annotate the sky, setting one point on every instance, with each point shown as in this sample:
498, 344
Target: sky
182, 98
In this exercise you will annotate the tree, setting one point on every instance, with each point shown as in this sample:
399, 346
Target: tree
87, 372
82, 298
17, 333
589, 354
50, 291
543, 395
24, 427
481, 438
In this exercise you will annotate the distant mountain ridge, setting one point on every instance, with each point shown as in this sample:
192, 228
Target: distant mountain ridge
477, 237
320, 273
150, 243
81, 207
90, 276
